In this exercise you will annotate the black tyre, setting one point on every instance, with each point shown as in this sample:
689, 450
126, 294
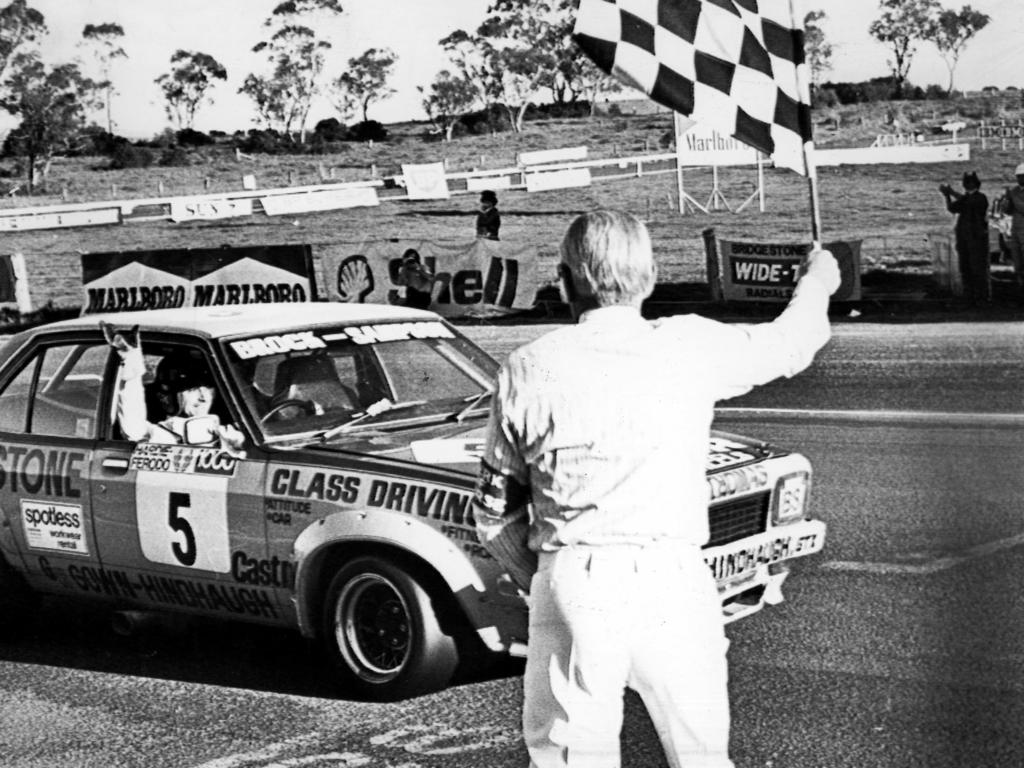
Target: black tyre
382, 635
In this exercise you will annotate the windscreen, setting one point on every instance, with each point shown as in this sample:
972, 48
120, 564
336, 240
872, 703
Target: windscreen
333, 380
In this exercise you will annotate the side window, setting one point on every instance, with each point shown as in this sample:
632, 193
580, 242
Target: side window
67, 394
15, 396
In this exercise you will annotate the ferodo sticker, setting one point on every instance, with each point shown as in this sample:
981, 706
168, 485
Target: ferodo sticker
58, 527
182, 459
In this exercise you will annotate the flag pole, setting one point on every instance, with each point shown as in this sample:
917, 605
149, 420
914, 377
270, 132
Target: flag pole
812, 188
803, 85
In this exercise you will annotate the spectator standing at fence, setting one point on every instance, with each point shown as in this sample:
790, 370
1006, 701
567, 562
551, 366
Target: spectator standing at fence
1013, 204
592, 496
488, 220
971, 231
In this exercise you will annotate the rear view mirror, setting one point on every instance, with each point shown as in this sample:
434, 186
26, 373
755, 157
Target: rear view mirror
200, 430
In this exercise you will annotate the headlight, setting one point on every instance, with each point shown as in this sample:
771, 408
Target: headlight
790, 498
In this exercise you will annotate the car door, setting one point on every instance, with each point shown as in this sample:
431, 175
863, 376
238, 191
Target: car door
181, 527
49, 417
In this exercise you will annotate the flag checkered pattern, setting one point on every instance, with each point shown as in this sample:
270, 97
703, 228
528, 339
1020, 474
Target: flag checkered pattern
734, 65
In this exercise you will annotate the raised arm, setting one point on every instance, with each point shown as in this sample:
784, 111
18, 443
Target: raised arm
750, 355
130, 397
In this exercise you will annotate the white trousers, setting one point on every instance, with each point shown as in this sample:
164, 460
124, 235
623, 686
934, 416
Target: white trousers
604, 618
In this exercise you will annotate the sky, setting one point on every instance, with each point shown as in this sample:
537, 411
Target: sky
228, 29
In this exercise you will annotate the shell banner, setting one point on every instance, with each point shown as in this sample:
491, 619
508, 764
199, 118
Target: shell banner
475, 279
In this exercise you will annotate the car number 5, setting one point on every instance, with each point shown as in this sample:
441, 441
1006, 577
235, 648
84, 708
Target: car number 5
183, 520
186, 555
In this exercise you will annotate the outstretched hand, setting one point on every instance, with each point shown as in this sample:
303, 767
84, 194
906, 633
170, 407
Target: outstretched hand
821, 265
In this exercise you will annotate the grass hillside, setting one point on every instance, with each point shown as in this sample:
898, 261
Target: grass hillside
891, 208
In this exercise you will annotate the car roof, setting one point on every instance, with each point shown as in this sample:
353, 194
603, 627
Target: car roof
219, 321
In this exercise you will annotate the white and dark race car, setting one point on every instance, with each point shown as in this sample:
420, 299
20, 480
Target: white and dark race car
348, 517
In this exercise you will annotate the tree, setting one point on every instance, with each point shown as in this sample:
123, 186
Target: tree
364, 81
519, 48
953, 30
186, 85
52, 105
470, 54
593, 82
19, 24
904, 23
269, 97
817, 50
104, 40
449, 98
296, 53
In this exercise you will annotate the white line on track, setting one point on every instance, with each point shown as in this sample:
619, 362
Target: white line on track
894, 418
268, 752
925, 567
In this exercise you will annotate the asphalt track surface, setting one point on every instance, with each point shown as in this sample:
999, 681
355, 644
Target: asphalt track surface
898, 646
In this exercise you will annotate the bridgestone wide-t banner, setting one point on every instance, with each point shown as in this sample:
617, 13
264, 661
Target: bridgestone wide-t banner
767, 272
126, 281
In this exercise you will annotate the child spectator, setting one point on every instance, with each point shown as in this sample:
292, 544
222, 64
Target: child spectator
488, 221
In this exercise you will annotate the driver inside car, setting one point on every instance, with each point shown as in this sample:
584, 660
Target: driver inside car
183, 390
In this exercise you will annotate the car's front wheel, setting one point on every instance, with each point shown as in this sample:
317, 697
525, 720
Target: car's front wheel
382, 633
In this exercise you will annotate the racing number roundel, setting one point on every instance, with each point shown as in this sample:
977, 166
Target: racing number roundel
183, 520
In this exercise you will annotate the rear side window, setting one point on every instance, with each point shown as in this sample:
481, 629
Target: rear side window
57, 392
14, 399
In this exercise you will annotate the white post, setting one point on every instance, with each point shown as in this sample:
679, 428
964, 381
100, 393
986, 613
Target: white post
760, 182
684, 199
21, 294
679, 168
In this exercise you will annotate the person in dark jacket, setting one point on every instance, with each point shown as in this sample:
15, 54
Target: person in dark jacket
488, 221
971, 232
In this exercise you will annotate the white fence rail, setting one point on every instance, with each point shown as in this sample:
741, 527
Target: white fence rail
338, 195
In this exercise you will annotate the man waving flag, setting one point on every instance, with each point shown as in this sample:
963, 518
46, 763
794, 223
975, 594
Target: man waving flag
733, 65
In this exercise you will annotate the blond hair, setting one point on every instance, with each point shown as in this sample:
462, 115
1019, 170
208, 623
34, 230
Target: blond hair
610, 257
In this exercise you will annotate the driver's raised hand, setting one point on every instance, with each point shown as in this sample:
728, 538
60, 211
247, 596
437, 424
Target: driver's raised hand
128, 348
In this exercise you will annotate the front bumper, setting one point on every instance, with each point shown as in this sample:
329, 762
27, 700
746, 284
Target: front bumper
750, 571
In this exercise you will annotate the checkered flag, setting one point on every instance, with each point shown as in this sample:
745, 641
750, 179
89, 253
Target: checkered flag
733, 65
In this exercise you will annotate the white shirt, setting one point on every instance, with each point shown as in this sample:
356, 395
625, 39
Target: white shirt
603, 427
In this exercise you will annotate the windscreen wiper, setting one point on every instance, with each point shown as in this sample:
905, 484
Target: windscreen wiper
381, 406
472, 402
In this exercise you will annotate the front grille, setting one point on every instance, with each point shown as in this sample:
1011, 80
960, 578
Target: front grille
737, 518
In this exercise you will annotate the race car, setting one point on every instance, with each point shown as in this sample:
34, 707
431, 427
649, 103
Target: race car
347, 512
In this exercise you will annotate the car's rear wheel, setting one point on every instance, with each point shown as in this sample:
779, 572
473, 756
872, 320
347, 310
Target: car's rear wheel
382, 633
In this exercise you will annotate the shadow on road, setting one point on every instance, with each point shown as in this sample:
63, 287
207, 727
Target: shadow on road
64, 633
